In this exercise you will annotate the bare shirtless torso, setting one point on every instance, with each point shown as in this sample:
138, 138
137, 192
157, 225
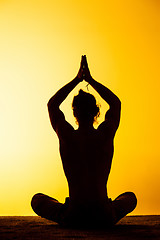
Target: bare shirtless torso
86, 158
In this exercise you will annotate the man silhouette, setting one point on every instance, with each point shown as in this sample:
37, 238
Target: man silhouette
86, 156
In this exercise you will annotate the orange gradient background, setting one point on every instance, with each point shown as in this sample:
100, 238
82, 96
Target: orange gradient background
41, 43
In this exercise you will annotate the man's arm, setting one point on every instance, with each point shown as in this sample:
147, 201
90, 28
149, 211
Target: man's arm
61, 95
113, 114
56, 116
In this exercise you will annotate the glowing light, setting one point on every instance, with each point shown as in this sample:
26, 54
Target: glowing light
40, 48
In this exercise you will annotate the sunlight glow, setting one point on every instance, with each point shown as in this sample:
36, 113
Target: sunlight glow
40, 50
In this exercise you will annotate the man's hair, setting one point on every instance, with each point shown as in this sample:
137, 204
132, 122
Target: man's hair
85, 107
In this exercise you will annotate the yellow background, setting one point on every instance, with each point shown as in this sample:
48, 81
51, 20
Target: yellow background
41, 43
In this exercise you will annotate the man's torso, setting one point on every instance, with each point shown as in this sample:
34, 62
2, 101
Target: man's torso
87, 161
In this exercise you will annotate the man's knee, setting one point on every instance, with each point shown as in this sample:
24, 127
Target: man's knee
132, 199
126, 201
36, 201
124, 204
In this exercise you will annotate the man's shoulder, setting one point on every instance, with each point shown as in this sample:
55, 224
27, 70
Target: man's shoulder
107, 129
64, 131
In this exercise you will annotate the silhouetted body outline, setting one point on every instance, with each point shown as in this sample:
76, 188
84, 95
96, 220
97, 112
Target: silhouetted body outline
86, 156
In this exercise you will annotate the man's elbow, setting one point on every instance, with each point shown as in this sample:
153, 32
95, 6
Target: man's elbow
52, 105
49, 104
118, 102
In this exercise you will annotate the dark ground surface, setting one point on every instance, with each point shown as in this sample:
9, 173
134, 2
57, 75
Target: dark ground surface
131, 227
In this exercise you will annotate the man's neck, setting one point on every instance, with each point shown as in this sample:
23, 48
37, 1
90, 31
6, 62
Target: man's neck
86, 127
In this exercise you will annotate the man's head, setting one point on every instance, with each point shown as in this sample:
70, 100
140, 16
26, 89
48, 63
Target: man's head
85, 108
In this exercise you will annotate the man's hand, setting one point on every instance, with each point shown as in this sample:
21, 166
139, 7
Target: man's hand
86, 72
80, 74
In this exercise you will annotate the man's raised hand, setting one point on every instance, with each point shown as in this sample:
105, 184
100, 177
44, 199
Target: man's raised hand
86, 72
80, 74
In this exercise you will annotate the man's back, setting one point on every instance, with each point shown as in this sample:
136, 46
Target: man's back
86, 158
